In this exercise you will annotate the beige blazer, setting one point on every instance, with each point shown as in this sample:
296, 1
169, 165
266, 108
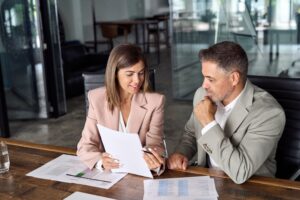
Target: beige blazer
248, 143
147, 119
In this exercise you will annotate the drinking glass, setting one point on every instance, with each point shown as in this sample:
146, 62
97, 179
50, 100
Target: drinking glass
4, 158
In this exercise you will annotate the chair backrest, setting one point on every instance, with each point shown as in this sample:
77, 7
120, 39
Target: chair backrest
72, 50
94, 80
287, 92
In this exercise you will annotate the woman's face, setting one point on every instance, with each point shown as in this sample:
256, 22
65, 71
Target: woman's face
131, 78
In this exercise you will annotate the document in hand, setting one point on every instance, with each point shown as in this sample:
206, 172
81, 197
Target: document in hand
127, 148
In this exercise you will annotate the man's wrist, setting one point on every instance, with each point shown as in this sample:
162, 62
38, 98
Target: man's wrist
207, 121
208, 126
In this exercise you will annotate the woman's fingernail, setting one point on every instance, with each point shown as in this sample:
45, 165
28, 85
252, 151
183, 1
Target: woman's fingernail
116, 161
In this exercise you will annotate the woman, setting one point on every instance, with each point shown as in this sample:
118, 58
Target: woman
124, 104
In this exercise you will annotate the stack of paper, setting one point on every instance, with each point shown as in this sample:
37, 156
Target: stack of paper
188, 188
85, 196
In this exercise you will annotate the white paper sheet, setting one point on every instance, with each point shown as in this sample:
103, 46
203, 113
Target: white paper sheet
188, 188
65, 168
127, 148
85, 196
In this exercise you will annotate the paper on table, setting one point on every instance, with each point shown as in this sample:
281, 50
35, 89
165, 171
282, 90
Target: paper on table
85, 196
58, 168
188, 188
127, 148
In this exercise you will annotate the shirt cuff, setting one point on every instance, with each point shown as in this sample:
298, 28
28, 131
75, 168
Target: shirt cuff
99, 165
207, 127
156, 170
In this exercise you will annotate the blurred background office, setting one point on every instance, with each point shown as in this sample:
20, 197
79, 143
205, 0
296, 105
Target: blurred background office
46, 46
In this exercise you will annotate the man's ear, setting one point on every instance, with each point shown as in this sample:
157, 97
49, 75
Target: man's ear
235, 78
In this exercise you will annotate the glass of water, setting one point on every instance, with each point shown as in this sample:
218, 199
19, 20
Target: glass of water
4, 158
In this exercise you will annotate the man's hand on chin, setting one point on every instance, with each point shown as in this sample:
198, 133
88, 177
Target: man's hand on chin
205, 111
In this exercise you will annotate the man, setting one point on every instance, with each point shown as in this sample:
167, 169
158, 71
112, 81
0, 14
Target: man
235, 123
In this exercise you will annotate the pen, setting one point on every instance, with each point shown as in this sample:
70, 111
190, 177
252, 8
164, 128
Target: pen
88, 178
145, 150
165, 146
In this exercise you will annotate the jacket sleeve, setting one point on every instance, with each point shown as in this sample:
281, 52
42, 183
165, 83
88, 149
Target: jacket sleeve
188, 142
155, 134
241, 161
90, 146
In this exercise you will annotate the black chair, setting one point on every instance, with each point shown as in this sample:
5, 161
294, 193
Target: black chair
287, 93
77, 60
94, 80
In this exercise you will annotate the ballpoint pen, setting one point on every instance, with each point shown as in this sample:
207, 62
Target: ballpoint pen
88, 178
165, 146
145, 150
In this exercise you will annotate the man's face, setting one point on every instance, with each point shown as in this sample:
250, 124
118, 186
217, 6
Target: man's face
217, 82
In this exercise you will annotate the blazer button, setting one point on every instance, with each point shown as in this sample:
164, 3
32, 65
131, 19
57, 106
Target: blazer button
207, 149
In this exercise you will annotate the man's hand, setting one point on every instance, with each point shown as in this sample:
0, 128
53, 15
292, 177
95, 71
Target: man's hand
205, 111
177, 161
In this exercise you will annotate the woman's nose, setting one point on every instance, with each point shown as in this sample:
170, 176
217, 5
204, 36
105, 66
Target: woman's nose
136, 78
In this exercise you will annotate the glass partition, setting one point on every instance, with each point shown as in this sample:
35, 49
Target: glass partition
267, 30
21, 56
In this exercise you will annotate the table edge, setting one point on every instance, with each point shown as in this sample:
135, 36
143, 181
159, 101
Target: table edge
276, 182
44, 147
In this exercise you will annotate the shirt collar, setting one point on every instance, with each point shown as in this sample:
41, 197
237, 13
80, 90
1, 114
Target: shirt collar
232, 103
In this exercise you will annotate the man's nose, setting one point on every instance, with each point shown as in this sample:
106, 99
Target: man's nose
205, 84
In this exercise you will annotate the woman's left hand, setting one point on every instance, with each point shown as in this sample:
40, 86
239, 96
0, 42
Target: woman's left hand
153, 159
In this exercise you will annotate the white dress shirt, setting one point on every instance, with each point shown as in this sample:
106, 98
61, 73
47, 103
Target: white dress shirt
122, 127
221, 117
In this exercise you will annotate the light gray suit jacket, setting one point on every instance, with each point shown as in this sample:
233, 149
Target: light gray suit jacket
248, 143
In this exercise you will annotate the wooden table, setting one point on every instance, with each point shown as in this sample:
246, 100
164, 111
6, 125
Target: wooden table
26, 157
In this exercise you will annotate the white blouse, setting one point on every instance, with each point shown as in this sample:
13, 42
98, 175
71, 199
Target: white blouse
122, 127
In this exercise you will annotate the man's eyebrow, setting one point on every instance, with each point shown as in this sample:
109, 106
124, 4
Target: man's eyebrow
209, 77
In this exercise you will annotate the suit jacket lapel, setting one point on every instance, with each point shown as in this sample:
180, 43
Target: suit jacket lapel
240, 110
137, 112
111, 118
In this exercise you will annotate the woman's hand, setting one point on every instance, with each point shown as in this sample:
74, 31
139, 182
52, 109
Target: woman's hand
109, 162
153, 159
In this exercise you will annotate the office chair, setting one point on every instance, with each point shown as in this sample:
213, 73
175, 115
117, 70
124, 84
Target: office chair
94, 80
287, 92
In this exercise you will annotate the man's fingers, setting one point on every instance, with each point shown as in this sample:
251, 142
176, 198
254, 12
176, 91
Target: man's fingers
184, 164
177, 161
